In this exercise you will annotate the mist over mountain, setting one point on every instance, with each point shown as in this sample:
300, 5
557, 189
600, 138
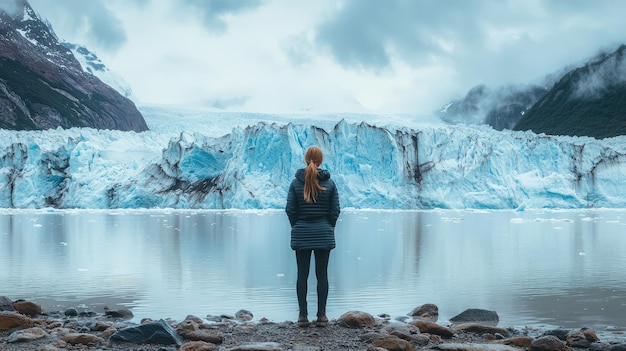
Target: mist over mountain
587, 101
44, 86
501, 108
578, 100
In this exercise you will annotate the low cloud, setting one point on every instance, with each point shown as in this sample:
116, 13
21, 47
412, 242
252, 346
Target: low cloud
92, 18
609, 70
214, 12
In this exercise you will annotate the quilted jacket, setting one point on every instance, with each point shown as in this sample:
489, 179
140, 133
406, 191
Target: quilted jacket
313, 224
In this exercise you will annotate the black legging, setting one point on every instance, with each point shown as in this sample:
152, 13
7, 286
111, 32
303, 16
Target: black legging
303, 257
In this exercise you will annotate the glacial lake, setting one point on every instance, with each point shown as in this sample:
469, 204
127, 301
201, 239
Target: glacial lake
561, 268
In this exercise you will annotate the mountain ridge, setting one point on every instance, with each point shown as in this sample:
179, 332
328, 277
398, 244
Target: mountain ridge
43, 86
587, 101
582, 99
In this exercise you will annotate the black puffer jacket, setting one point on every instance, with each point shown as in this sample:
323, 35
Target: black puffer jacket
313, 224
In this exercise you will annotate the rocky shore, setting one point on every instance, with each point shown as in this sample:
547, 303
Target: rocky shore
25, 326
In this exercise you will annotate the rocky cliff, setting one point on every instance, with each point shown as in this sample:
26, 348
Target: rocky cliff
43, 86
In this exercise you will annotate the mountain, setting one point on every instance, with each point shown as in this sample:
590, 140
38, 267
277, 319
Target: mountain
501, 107
589, 100
43, 86
196, 167
92, 64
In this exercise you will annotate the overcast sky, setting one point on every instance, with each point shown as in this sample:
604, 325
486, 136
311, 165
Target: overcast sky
381, 56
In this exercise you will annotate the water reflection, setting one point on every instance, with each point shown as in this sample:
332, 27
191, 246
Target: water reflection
559, 268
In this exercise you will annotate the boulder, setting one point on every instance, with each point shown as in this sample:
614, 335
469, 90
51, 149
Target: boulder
212, 336
416, 339
27, 308
197, 346
82, 339
404, 327
478, 328
149, 333
10, 320
244, 315
393, 343
433, 328
581, 338
559, 333
121, 313
476, 315
519, 341
192, 328
428, 312
25, 335
548, 343
6, 304
356, 319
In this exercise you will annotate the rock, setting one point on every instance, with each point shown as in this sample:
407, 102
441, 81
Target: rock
30, 334
197, 346
477, 328
618, 347
548, 343
582, 338
519, 341
6, 304
215, 337
71, 312
109, 332
258, 346
433, 328
27, 308
356, 319
122, 313
192, 328
150, 333
403, 327
559, 333
475, 347
82, 338
476, 315
10, 320
187, 325
368, 337
244, 315
393, 344
417, 339
427, 312
193, 318
101, 326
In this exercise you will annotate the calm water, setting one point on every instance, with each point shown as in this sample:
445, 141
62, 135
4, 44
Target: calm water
541, 268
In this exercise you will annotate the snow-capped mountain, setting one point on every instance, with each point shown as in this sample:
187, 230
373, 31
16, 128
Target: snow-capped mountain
388, 167
92, 64
42, 84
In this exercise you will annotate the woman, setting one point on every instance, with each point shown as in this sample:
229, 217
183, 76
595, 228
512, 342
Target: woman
313, 209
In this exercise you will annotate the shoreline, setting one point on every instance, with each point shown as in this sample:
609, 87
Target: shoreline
27, 327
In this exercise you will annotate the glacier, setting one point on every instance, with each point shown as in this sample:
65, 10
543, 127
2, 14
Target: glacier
216, 160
